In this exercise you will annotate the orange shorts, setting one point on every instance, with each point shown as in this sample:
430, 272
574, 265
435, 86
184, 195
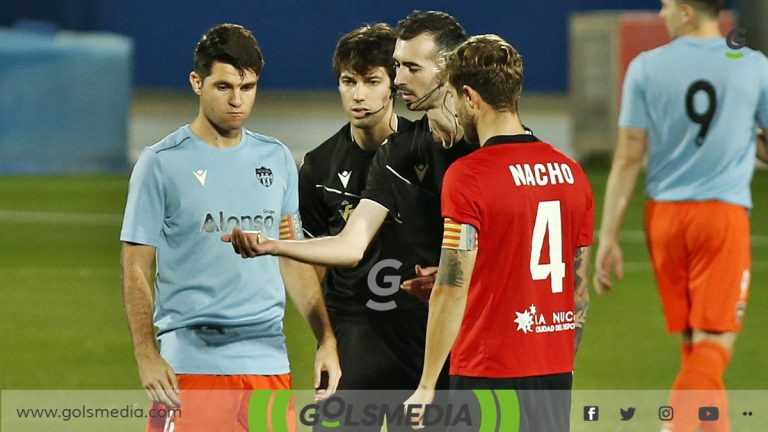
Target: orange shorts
700, 253
222, 403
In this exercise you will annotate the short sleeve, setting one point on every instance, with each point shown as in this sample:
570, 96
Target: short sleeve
378, 185
634, 110
459, 197
290, 220
291, 197
587, 229
762, 106
311, 204
145, 208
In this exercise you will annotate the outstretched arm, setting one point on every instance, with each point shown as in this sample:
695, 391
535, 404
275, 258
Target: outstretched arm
157, 376
581, 290
345, 249
627, 162
302, 286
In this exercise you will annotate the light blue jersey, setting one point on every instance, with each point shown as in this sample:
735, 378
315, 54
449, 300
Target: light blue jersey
217, 313
700, 109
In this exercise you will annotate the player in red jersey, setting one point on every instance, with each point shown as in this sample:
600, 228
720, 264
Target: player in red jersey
511, 294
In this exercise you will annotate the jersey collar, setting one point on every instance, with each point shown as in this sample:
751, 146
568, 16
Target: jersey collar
528, 137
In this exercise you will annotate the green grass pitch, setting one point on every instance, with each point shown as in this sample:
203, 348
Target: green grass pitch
62, 324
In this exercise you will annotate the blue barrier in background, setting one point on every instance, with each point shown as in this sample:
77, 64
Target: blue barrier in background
298, 36
64, 101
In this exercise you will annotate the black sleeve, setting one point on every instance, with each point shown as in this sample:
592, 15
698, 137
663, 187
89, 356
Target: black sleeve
378, 185
311, 205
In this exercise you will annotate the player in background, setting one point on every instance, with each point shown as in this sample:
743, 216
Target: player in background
762, 146
508, 305
693, 112
331, 181
219, 317
406, 175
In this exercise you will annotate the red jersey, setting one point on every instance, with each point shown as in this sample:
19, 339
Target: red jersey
532, 207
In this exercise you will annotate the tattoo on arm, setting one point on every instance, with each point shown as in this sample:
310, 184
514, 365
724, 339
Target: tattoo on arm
576, 266
454, 272
581, 291
456, 268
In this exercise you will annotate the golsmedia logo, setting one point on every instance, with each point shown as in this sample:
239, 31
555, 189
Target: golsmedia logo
277, 410
736, 40
336, 412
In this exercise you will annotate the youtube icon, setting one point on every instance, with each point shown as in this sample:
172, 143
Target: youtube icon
709, 413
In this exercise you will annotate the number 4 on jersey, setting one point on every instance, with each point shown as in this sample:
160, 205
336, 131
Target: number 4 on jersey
548, 221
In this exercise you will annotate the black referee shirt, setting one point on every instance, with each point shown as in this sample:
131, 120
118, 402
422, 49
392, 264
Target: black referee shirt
332, 178
406, 177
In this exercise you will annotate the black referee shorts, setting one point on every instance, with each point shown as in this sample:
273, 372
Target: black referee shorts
544, 401
382, 354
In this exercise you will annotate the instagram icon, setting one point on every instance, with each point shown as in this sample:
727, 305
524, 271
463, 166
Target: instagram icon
666, 413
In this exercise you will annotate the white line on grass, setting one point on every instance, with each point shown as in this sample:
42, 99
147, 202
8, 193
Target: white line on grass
63, 218
57, 271
629, 267
645, 266
72, 218
639, 237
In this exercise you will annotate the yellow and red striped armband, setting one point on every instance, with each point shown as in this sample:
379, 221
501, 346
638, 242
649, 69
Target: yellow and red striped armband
290, 227
459, 236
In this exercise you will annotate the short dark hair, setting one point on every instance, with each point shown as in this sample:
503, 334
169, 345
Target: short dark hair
446, 31
231, 44
711, 8
489, 65
366, 48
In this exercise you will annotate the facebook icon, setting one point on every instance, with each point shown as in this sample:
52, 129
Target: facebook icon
591, 413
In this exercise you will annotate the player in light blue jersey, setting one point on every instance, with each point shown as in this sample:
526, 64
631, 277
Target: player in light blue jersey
219, 317
693, 108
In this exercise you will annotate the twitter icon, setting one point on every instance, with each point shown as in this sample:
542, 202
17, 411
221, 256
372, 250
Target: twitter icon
627, 414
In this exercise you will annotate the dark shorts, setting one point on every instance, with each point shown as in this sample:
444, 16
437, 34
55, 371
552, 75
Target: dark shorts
383, 357
382, 354
544, 402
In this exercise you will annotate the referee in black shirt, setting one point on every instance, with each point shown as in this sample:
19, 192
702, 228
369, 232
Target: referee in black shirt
370, 315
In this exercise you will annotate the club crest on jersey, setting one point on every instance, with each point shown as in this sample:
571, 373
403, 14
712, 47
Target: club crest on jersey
344, 177
421, 170
265, 176
346, 209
